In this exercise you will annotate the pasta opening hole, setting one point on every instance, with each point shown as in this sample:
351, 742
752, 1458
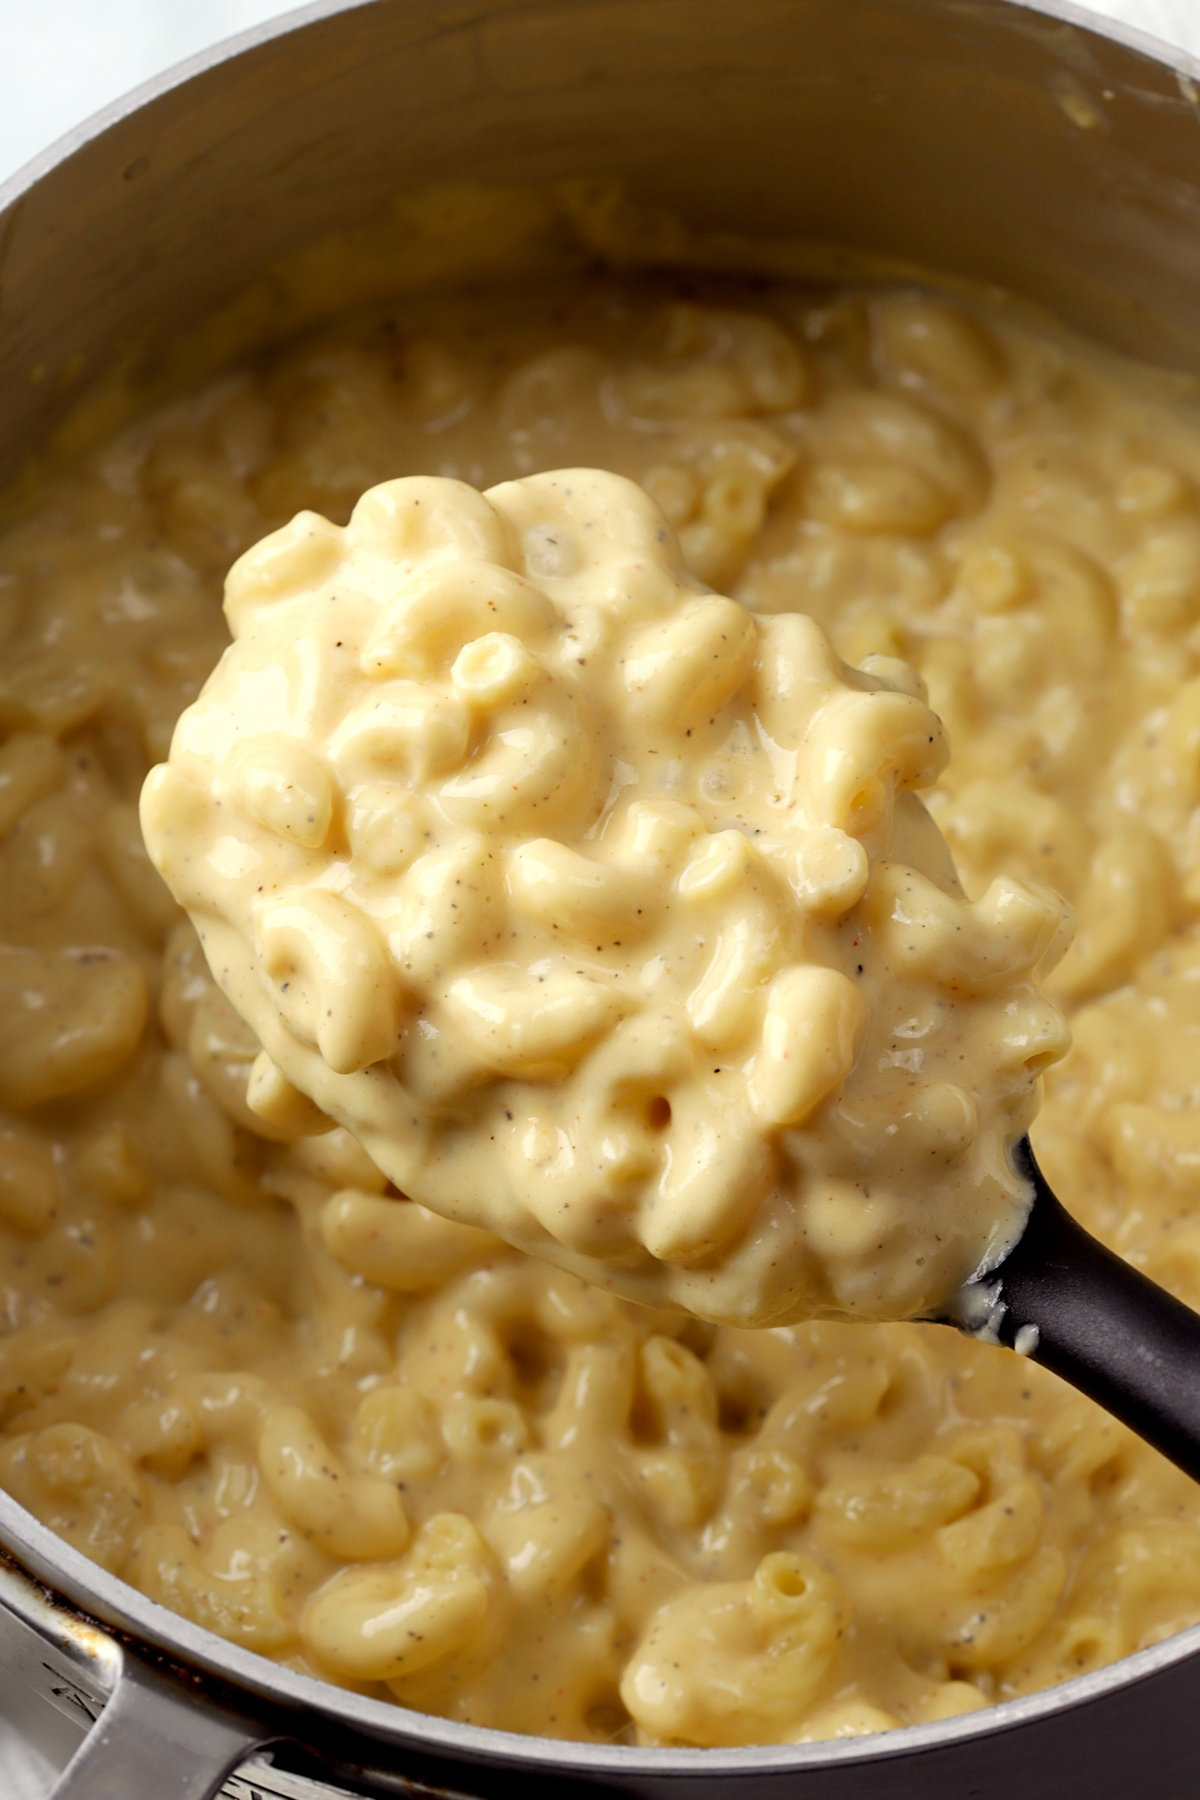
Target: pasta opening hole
658, 1112
864, 806
698, 1336
1090, 1650
895, 1395
594, 1580
733, 1415
645, 1426
1107, 1475
736, 505
785, 1579
743, 1398
536, 1361
889, 1402
485, 1428
606, 1720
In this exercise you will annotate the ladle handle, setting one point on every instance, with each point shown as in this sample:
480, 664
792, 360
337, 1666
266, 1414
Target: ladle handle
1092, 1318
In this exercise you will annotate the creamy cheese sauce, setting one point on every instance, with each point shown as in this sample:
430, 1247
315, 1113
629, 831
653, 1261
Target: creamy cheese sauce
384, 1446
602, 911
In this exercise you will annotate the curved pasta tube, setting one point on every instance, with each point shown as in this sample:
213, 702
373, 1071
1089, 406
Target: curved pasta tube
537, 764
401, 731
862, 747
397, 1244
881, 1510
812, 1031
1129, 898
423, 519
532, 1025
328, 966
306, 549
767, 1644
928, 342
236, 1586
448, 606
714, 363
889, 463
283, 785
980, 946
81, 1484
69, 1021
681, 670
578, 893
29, 1189
392, 1621
564, 532
359, 1517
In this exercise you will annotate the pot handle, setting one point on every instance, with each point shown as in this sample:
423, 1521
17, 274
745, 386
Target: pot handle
155, 1740
155, 1732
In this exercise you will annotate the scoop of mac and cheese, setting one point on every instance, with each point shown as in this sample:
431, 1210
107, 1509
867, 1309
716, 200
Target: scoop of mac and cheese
602, 910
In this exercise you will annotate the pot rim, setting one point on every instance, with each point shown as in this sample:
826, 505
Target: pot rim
112, 1602
94, 1591
297, 18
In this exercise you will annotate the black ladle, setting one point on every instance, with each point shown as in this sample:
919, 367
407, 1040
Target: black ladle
1068, 1303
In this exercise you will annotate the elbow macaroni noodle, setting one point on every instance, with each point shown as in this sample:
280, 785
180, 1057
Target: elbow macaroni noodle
381, 1444
597, 907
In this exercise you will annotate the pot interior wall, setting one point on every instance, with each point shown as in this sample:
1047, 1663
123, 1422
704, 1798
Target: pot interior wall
963, 135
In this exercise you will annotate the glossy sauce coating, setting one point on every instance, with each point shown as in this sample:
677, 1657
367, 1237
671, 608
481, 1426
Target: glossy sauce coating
384, 1447
602, 911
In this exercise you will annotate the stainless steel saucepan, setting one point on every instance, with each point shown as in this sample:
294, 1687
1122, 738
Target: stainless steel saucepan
1037, 149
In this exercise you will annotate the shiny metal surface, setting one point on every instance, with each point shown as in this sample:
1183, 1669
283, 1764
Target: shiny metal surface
1008, 144
989, 138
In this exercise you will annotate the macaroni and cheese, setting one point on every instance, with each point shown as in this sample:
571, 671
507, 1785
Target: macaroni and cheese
602, 911
381, 1445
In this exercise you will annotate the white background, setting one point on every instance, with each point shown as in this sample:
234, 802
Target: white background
61, 60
